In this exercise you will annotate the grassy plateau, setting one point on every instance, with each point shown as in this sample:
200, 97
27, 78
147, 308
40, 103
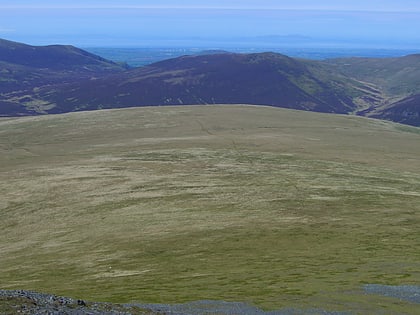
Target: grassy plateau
274, 207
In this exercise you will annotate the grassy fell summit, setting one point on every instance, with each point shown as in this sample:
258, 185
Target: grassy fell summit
280, 208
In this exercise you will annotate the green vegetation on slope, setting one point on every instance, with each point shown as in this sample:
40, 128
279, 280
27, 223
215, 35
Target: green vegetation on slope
396, 76
240, 203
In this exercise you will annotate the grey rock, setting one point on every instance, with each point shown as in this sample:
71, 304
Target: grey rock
410, 293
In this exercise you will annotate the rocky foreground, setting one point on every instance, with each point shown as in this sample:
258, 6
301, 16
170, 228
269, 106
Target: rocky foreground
33, 303
28, 302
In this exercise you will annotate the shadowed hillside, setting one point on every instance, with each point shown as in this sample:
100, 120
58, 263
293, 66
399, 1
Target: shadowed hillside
25, 69
57, 57
396, 76
265, 79
405, 111
59, 79
394, 85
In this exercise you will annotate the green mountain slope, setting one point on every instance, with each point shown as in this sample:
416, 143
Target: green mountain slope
275, 207
395, 76
394, 85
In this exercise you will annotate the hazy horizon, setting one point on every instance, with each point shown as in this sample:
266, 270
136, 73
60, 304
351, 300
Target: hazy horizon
130, 23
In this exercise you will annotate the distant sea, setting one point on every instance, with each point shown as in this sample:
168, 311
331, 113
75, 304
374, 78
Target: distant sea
136, 57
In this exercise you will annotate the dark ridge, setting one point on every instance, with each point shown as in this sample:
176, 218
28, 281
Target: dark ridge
263, 79
59, 79
406, 111
213, 52
51, 57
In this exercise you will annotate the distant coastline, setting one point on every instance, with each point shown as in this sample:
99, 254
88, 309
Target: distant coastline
141, 56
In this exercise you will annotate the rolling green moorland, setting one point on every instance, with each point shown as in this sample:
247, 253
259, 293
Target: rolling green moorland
274, 207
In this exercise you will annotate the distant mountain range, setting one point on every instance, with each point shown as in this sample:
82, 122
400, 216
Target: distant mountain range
59, 79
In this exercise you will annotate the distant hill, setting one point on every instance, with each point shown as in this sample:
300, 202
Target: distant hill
265, 79
24, 69
57, 57
58, 79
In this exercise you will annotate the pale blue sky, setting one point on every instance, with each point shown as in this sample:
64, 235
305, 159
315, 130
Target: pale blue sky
166, 22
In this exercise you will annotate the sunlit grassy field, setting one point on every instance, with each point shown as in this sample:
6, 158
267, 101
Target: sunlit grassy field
274, 207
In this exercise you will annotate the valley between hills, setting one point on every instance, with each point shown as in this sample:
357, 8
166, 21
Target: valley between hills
58, 79
278, 208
